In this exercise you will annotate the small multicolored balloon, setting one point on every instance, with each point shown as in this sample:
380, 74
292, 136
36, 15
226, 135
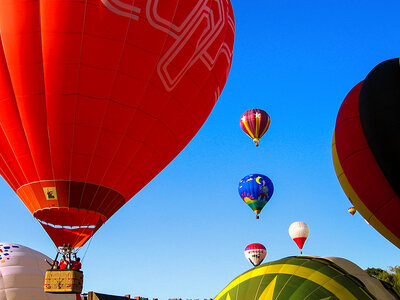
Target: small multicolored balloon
255, 253
299, 232
255, 123
256, 190
352, 210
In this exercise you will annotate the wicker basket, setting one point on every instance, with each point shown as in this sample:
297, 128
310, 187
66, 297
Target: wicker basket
63, 282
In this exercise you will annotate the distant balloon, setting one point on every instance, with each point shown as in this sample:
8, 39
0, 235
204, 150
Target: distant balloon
255, 253
304, 277
299, 232
256, 190
352, 210
366, 148
22, 273
255, 123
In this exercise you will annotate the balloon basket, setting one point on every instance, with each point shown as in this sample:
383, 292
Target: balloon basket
63, 282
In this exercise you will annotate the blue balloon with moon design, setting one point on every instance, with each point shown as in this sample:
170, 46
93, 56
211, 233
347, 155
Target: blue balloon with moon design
256, 190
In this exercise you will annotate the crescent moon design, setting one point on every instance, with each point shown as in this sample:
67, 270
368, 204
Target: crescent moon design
258, 180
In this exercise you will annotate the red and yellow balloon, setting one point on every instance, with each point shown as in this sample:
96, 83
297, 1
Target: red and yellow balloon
255, 123
98, 96
366, 148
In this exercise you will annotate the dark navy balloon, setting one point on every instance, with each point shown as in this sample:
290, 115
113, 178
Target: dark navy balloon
256, 190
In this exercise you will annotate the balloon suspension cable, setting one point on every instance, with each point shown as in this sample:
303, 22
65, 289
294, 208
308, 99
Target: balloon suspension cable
67, 252
87, 248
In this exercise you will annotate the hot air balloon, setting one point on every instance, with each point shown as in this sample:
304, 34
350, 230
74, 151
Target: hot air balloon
304, 277
256, 190
22, 274
299, 232
366, 151
352, 210
97, 98
255, 123
255, 253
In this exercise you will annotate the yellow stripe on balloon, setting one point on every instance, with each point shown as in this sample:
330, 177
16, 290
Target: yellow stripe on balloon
258, 121
309, 274
268, 293
358, 204
248, 129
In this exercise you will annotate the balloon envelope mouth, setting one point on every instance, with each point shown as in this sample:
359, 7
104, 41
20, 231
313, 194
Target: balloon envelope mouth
69, 225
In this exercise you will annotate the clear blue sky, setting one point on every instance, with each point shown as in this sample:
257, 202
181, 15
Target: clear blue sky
184, 234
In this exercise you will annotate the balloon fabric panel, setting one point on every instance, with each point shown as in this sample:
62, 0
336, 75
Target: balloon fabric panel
379, 107
362, 178
99, 96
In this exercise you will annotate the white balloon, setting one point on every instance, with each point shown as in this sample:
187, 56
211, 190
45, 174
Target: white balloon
299, 232
22, 272
255, 253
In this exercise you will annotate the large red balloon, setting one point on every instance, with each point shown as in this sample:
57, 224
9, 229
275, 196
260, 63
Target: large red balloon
359, 172
98, 96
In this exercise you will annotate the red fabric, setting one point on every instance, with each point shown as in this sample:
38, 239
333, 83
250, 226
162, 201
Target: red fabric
103, 95
63, 265
300, 242
255, 246
76, 265
360, 166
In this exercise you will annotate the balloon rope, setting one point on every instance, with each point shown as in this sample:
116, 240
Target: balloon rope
87, 248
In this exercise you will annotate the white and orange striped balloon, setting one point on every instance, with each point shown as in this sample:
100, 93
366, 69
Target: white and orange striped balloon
299, 232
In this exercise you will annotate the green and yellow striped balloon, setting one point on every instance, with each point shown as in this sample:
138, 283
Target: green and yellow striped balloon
303, 277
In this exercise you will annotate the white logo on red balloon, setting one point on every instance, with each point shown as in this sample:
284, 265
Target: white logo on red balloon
202, 40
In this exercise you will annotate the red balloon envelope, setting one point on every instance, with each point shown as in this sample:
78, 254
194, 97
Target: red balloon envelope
98, 96
366, 148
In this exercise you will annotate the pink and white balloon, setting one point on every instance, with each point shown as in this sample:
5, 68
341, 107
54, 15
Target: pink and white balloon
255, 253
299, 232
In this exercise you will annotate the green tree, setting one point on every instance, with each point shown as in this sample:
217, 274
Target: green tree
392, 276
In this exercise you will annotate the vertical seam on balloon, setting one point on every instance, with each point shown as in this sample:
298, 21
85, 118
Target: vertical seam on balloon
320, 286
100, 128
246, 125
253, 122
29, 146
76, 105
266, 126
158, 121
22, 126
10, 182
258, 288
45, 97
104, 116
290, 276
237, 293
148, 8
170, 96
132, 118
